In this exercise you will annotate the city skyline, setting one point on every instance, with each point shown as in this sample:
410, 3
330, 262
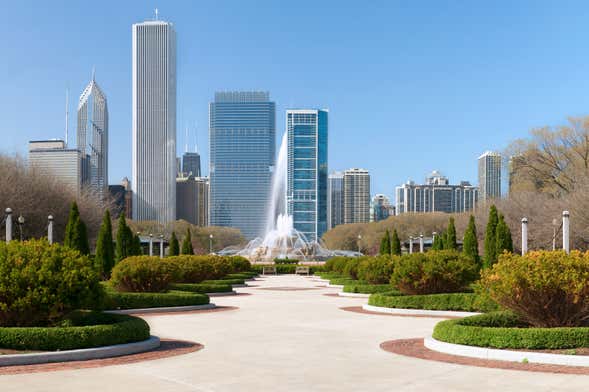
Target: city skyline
206, 62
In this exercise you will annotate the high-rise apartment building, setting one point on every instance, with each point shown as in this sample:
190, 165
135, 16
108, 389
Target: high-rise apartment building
52, 158
191, 164
381, 208
490, 175
436, 195
192, 199
307, 170
356, 196
242, 137
335, 199
154, 121
92, 139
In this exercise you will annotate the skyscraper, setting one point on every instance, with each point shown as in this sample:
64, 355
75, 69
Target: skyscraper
307, 170
92, 138
154, 121
191, 164
192, 194
53, 158
356, 196
335, 200
242, 137
490, 175
381, 208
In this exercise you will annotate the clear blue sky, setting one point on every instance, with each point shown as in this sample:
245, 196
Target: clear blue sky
411, 86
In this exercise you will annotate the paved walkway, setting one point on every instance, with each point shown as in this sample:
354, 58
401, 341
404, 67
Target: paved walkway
290, 341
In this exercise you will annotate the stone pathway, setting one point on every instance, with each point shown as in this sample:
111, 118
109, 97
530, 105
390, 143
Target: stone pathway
284, 338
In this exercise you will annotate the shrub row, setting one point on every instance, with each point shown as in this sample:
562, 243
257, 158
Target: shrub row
124, 300
85, 330
285, 261
224, 281
504, 330
202, 288
466, 302
367, 288
285, 268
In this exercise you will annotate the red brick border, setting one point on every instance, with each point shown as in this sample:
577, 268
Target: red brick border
414, 348
168, 348
331, 295
286, 288
360, 309
180, 313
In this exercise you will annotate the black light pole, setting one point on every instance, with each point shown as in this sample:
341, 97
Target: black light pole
21, 222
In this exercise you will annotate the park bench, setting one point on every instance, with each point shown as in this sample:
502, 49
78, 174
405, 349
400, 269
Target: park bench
269, 269
302, 270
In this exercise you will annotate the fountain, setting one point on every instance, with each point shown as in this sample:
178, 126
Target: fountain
281, 240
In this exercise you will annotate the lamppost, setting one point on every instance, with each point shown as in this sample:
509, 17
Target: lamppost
210, 243
8, 224
21, 222
554, 223
161, 246
359, 239
150, 244
50, 229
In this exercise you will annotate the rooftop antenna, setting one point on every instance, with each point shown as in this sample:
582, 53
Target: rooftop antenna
93, 73
156, 14
195, 137
66, 114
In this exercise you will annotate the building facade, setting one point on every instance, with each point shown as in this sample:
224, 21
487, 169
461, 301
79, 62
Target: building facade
52, 158
191, 164
381, 208
122, 198
490, 175
335, 199
242, 137
192, 200
154, 121
92, 138
436, 195
306, 194
356, 196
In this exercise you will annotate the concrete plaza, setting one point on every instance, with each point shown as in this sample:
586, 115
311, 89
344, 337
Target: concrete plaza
282, 340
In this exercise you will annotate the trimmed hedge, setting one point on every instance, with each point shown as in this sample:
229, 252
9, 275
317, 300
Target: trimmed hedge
241, 275
84, 330
344, 281
224, 281
466, 302
285, 261
144, 274
202, 287
504, 330
367, 288
122, 300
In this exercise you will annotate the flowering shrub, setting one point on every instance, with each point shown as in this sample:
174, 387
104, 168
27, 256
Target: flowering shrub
545, 288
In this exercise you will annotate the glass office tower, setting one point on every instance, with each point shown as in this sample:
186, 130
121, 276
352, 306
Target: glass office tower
307, 170
242, 137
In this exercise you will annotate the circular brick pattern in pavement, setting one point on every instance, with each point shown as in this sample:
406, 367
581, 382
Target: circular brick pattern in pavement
415, 348
359, 309
168, 348
287, 288
180, 313
331, 295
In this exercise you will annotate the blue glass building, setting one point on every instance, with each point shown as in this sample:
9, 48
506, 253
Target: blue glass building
307, 170
242, 137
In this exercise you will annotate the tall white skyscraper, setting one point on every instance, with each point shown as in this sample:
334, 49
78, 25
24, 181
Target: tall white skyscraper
92, 138
356, 196
490, 175
154, 121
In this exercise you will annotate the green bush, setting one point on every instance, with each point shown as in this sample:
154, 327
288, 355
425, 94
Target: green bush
344, 281
367, 288
80, 330
285, 261
433, 272
144, 274
202, 287
351, 268
124, 300
193, 269
545, 288
376, 270
224, 281
39, 283
239, 264
465, 302
505, 330
241, 275
285, 268
337, 264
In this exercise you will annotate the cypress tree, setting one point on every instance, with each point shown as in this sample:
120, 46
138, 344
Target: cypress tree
187, 244
385, 243
71, 232
450, 236
470, 244
503, 237
83, 244
490, 238
438, 243
105, 258
395, 244
174, 249
123, 241
137, 250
